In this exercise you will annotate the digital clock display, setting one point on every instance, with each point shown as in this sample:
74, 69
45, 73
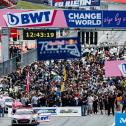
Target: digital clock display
33, 34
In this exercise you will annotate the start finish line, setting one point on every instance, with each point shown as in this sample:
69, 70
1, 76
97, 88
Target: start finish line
63, 19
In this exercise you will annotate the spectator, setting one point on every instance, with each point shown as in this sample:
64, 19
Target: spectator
111, 104
101, 104
84, 105
85, 84
34, 101
90, 104
2, 106
124, 104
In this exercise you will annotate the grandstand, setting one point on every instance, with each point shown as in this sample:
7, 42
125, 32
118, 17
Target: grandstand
7, 3
38, 1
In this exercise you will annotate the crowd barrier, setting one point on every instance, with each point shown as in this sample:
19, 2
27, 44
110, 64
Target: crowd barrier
54, 111
44, 118
59, 111
45, 113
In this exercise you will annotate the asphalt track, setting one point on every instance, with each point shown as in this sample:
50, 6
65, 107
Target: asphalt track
94, 120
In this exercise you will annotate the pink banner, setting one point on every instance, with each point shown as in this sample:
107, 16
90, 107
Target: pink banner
57, 18
112, 68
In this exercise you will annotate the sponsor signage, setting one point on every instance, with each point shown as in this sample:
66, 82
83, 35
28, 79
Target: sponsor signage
83, 18
65, 19
46, 110
122, 68
57, 111
115, 68
69, 111
44, 117
115, 19
33, 34
30, 18
120, 119
62, 48
75, 3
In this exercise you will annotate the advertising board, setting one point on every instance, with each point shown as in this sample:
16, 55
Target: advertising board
69, 111
62, 48
44, 118
75, 3
57, 111
64, 18
115, 68
46, 110
120, 119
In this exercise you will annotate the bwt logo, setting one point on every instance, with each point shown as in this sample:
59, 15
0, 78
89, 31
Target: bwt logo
122, 120
43, 17
44, 118
124, 68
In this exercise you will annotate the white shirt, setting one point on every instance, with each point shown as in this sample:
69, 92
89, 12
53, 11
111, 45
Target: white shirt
2, 103
35, 100
90, 100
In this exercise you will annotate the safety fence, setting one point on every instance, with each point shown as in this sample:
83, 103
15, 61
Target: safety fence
11, 65
8, 66
54, 111
43, 114
29, 57
59, 111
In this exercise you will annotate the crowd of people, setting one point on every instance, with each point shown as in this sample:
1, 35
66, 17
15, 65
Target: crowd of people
14, 51
84, 85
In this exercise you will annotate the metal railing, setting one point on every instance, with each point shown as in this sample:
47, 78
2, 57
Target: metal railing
8, 66
29, 57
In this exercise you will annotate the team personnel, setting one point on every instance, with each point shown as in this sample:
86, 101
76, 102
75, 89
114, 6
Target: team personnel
124, 104
111, 104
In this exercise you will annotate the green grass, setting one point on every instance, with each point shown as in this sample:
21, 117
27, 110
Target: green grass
29, 5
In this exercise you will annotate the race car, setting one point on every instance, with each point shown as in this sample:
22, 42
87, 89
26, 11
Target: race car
8, 102
24, 117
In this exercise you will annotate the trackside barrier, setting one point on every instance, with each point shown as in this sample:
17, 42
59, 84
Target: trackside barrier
46, 110
44, 118
59, 111
120, 119
10, 65
29, 57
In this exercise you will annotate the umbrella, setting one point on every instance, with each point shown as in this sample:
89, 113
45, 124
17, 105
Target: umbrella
57, 78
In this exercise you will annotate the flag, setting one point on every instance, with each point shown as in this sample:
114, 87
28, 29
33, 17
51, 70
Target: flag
27, 83
64, 79
64, 74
